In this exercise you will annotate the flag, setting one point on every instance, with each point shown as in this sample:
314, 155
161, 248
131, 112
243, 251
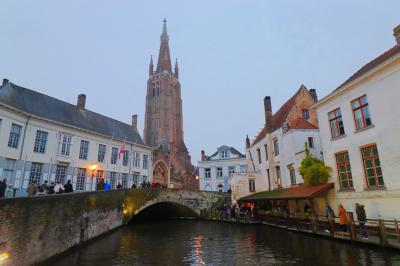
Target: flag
121, 152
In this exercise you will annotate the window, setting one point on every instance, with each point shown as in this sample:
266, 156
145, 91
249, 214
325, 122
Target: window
276, 147
224, 154
305, 113
136, 161
36, 173
114, 155
361, 113
372, 166
243, 168
99, 176
311, 142
65, 145
292, 174
83, 151
252, 185
336, 123
112, 179
266, 152
40, 142
207, 173
278, 176
344, 170
259, 155
102, 153
80, 179
231, 170
14, 136
8, 170
125, 158
61, 170
124, 180
219, 172
145, 161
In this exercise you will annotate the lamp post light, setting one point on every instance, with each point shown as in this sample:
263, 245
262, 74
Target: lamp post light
93, 169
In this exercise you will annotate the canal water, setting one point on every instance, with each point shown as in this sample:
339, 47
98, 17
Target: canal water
182, 242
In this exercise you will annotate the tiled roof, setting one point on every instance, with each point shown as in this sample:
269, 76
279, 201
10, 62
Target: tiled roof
280, 116
301, 123
372, 64
298, 192
43, 106
231, 149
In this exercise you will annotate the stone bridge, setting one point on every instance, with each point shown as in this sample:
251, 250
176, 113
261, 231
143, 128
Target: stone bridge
37, 228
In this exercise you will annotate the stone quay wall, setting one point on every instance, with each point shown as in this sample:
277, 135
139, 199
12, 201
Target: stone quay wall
36, 228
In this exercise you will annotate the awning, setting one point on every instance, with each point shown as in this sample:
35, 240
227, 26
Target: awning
292, 193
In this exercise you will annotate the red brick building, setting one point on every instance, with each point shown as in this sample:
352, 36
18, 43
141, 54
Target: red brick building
164, 122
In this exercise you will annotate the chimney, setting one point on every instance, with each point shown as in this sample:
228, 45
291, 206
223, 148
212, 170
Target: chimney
396, 34
313, 93
268, 114
81, 101
134, 121
5, 81
203, 155
247, 142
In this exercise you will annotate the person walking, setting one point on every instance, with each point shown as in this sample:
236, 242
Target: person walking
134, 186
362, 219
68, 187
329, 212
32, 188
59, 188
50, 189
9, 193
107, 186
119, 186
342, 218
3, 187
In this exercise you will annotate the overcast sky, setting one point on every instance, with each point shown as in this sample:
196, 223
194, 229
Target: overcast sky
231, 54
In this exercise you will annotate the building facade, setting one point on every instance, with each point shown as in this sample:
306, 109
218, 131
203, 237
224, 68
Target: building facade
360, 127
46, 139
215, 171
274, 156
163, 128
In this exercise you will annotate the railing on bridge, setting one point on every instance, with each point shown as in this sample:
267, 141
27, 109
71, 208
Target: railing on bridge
379, 231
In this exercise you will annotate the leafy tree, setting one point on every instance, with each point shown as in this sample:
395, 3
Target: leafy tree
313, 170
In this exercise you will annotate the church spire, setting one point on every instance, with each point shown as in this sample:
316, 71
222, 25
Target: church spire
151, 66
164, 59
176, 69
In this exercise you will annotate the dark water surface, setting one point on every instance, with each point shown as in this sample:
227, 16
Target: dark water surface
212, 243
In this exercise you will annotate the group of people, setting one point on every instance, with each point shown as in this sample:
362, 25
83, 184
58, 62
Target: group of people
147, 184
35, 189
6, 191
235, 212
342, 212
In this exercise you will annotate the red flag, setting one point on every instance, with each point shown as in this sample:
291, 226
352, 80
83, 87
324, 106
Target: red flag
121, 152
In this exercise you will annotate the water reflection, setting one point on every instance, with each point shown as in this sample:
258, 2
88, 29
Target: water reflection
209, 243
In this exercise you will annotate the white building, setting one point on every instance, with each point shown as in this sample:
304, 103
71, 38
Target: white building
275, 155
215, 171
360, 128
43, 138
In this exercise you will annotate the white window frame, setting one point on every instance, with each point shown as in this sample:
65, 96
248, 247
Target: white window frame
65, 145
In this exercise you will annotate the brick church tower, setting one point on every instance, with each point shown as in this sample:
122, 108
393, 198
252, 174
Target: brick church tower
164, 122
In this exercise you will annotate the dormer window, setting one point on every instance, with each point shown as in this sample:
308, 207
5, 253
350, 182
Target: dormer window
306, 114
224, 154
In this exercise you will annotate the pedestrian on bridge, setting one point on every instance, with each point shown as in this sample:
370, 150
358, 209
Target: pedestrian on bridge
107, 186
343, 218
68, 187
362, 219
9, 193
3, 187
32, 188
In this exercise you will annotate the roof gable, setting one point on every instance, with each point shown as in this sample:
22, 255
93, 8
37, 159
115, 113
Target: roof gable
43, 106
279, 117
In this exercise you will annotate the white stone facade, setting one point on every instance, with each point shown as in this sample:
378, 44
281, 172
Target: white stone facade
377, 186
21, 162
215, 171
